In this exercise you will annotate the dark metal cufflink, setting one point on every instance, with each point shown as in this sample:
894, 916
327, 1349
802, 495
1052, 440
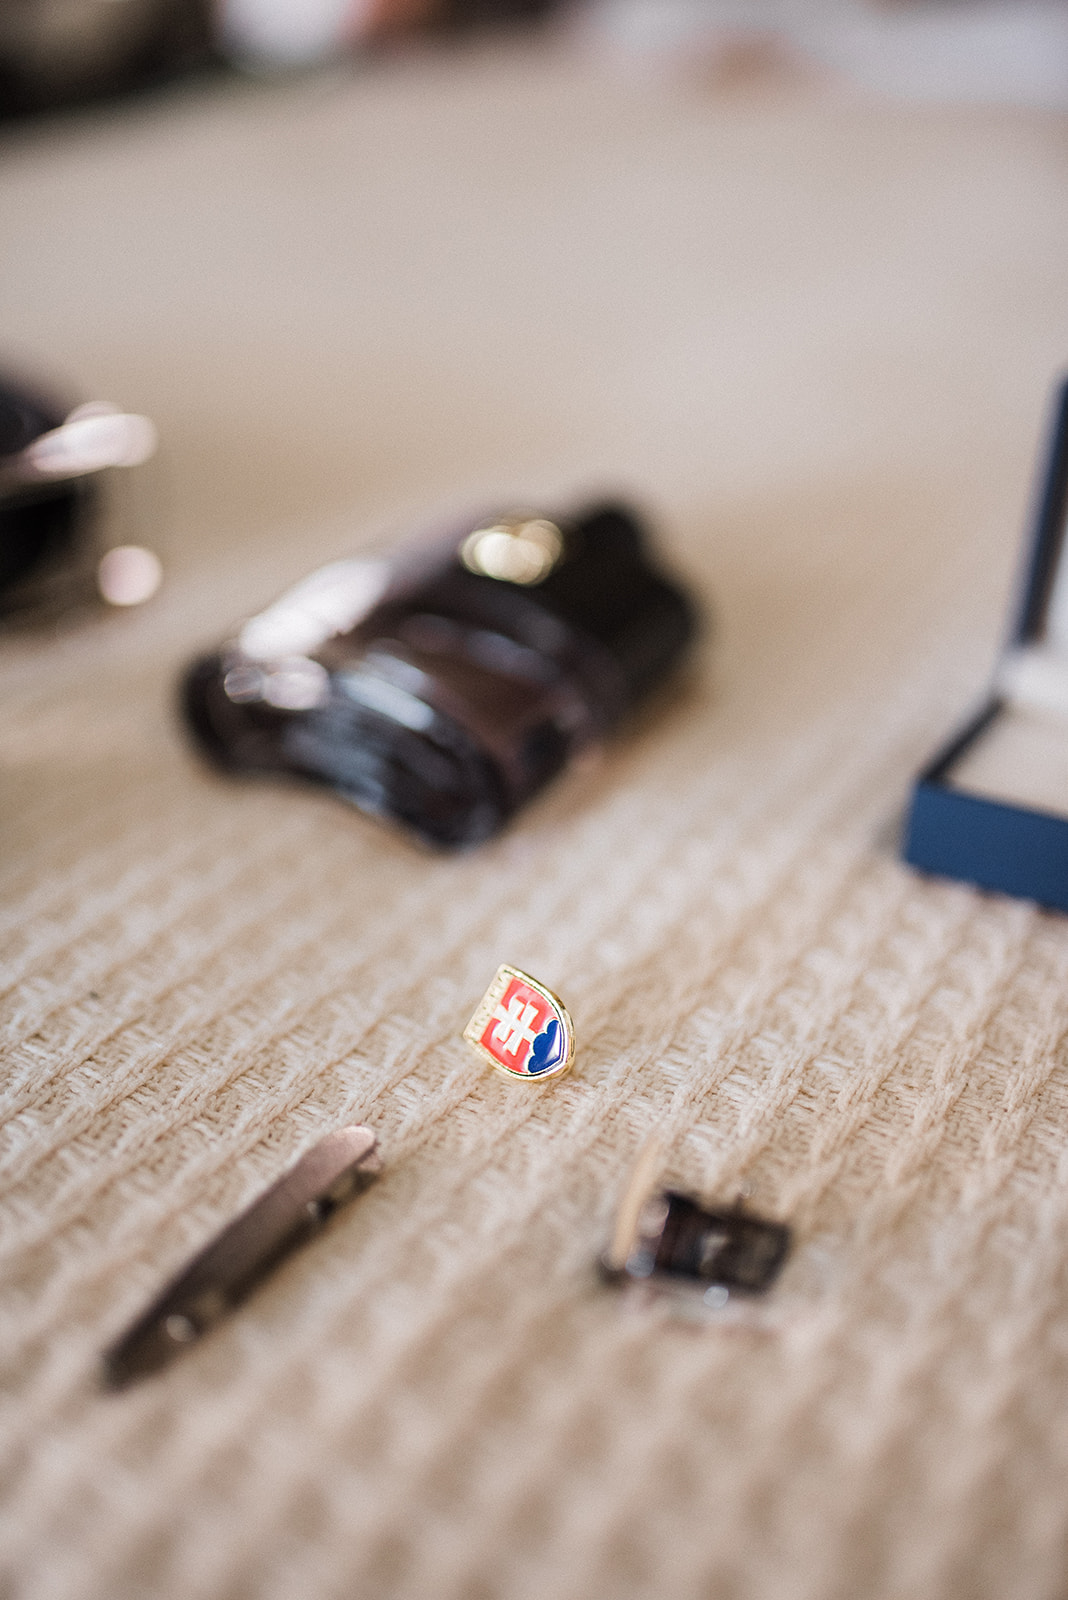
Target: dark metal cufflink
674, 1244
522, 1028
222, 1275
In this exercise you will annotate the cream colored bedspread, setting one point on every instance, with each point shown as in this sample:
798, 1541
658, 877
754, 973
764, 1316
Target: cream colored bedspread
815, 334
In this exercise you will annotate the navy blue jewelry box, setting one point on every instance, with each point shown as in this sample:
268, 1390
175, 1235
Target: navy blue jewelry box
992, 807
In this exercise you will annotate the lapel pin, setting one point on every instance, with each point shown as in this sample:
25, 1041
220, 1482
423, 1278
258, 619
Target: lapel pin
223, 1274
675, 1245
522, 1029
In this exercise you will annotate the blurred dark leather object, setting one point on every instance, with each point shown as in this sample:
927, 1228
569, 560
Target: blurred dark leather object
57, 52
464, 14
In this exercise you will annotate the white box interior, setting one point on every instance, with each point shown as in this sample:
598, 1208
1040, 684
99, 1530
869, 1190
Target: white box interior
1021, 758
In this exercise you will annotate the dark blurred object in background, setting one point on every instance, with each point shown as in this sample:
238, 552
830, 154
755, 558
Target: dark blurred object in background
444, 684
58, 52
53, 52
55, 549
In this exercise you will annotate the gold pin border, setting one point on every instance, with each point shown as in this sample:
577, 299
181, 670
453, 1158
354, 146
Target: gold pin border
488, 1004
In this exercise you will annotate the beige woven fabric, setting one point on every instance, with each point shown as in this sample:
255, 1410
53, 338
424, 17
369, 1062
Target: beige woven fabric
816, 335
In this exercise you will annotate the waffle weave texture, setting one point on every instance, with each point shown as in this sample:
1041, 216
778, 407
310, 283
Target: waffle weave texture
817, 334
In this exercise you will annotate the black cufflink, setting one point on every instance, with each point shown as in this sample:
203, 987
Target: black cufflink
675, 1244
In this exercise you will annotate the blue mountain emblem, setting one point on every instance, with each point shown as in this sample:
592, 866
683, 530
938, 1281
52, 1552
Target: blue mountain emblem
547, 1049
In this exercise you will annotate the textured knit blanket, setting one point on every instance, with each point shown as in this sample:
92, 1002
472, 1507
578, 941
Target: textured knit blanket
815, 335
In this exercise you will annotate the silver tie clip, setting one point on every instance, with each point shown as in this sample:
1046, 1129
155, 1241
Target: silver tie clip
284, 1217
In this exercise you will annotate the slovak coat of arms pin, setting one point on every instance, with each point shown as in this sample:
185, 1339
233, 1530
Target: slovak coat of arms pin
522, 1028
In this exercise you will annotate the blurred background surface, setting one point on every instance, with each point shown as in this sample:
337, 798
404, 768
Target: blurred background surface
1015, 51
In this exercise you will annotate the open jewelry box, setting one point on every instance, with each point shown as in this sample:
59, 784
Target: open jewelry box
992, 807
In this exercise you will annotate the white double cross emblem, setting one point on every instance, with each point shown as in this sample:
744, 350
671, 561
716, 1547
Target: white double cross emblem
514, 1024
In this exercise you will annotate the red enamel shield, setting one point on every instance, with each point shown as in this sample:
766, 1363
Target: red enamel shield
522, 1028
